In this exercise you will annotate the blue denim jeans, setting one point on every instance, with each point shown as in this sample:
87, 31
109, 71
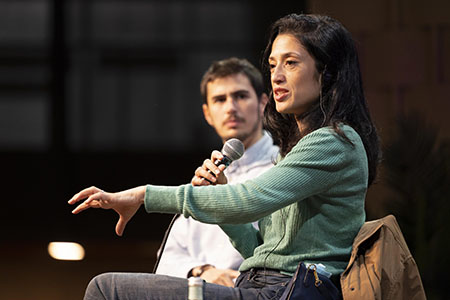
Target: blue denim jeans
252, 284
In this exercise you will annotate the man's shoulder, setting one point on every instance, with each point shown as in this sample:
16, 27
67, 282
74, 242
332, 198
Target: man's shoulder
264, 149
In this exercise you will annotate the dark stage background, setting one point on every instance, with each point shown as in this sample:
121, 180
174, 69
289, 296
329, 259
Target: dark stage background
106, 93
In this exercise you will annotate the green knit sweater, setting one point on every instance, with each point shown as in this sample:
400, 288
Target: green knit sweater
310, 206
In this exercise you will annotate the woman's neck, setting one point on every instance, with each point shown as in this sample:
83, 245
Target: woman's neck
301, 126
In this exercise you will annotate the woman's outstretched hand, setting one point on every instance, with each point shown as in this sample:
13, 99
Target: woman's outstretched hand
125, 203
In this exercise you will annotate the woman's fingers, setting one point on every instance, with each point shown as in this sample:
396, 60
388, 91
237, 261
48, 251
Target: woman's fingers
198, 181
216, 155
96, 199
203, 175
210, 172
221, 178
210, 167
101, 197
84, 194
205, 171
81, 207
125, 215
120, 226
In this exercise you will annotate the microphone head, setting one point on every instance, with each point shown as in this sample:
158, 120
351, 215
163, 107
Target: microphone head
233, 149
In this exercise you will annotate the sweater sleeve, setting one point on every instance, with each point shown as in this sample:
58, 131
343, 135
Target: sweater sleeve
318, 161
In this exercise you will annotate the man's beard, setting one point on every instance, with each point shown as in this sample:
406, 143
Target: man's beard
243, 136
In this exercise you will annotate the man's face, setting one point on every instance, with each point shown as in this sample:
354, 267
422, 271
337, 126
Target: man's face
233, 109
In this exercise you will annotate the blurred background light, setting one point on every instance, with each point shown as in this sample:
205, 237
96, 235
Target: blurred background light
66, 251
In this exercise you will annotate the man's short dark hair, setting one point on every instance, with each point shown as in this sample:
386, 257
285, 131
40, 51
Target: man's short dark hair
232, 66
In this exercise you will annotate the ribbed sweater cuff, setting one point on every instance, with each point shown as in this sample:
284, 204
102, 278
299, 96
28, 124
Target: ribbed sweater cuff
161, 199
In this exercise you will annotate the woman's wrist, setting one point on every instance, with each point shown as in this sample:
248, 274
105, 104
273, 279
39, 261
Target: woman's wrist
136, 195
140, 194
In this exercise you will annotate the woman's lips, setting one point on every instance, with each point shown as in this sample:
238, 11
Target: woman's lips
279, 94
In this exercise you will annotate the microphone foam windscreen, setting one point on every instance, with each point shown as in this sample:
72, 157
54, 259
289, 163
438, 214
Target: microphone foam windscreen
233, 149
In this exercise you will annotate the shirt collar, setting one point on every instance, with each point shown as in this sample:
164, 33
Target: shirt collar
254, 153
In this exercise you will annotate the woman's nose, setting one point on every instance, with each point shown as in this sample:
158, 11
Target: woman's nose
277, 75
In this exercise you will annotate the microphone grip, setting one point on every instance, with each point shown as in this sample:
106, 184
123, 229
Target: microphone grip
224, 161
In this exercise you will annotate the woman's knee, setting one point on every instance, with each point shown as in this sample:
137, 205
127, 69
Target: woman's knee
98, 285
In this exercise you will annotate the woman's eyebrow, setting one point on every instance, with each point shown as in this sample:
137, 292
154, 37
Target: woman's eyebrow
286, 55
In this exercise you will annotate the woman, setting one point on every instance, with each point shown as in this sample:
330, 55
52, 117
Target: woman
310, 205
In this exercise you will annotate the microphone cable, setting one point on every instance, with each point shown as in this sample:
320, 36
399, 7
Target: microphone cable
163, 243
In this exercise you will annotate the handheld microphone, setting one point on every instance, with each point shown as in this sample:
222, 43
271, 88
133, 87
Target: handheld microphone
232, 150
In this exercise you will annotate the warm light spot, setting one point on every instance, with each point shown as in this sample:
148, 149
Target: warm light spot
66, 251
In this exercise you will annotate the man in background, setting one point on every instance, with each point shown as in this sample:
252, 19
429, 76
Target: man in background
233, 103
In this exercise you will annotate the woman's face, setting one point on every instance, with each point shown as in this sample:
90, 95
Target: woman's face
294, 77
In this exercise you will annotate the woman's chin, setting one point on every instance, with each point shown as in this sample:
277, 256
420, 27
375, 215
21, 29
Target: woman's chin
281, 108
